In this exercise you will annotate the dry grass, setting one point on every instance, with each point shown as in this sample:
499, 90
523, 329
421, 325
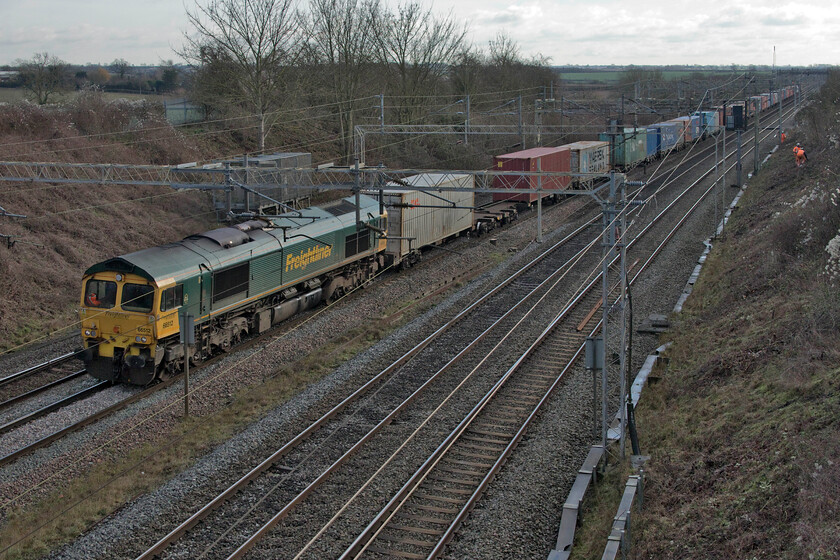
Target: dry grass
70, 227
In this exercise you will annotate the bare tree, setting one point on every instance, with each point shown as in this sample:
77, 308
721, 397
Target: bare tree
416, 49
340, 42
504, 51
251, 44
120, 66
467, 71
511, 71
44, 76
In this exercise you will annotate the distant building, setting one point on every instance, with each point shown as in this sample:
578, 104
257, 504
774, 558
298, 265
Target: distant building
181, 111
9, 76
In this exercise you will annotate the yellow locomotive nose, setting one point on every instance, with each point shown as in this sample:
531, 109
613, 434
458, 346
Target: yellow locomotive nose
118, 320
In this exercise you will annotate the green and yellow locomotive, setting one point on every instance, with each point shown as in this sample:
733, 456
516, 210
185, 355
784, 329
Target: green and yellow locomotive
235, 281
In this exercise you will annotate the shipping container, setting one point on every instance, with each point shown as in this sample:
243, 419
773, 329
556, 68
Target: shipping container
589, 156
686, 132
548, 159
696, 126
418, 218
653, 142
681, 131
668, 134
754, 105
693, 127
708, 122
628, 146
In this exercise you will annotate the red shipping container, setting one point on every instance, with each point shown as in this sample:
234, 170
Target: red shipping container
552, 159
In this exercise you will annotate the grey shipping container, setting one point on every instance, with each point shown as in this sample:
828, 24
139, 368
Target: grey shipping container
418, 218
589, 156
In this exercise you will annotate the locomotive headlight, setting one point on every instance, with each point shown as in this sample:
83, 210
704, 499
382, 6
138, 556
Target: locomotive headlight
141, 339
90, 332
119, 277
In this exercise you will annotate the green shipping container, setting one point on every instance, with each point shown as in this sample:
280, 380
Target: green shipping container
628, 148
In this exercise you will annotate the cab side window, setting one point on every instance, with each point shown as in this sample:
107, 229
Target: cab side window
101, 293
172, 297
137, 297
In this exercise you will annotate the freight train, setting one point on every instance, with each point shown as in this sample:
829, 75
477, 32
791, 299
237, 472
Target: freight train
240, 280
620, 148
630, 146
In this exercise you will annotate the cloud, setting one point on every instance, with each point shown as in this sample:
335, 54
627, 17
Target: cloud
782, 20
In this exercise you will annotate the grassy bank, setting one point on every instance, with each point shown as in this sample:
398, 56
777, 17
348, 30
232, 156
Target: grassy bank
743, 429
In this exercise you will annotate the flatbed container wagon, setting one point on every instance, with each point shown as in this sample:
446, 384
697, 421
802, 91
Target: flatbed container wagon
545, 159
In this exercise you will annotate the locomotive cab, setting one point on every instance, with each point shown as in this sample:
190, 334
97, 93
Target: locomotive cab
117, 318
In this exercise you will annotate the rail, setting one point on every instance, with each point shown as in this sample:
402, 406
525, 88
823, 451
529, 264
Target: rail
227, 494
34, 369
620, 534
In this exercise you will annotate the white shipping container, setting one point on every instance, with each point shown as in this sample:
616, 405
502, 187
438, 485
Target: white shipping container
590, 156
424, 218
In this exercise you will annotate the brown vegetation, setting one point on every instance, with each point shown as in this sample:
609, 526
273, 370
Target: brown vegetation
70, 227
743, 427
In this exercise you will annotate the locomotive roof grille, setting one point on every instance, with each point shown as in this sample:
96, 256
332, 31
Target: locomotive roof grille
341, 208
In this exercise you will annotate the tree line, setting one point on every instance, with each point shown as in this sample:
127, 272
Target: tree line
45, 77
255, 59
259, 57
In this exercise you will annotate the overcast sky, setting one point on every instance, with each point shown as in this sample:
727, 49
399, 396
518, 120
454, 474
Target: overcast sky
582, 32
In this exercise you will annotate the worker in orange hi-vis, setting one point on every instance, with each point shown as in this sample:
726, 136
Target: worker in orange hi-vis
799, 154
783, 137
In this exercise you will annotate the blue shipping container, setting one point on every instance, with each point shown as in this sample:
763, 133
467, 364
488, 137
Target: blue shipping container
670, 134
696, 127
652, 141
710, 122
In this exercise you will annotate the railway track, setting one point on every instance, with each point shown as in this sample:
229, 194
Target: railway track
61, 361
282, 470
43, 411
495, 430
30, 379
410, 385
423, 516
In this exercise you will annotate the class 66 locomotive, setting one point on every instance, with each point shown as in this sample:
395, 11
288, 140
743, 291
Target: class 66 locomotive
239, 281
235, 281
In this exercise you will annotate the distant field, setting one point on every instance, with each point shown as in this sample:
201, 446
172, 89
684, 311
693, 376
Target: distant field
10, 95
611, 77
13, 95
606, 77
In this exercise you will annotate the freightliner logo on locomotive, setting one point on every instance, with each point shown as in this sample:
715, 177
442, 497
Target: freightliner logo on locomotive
304, 258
